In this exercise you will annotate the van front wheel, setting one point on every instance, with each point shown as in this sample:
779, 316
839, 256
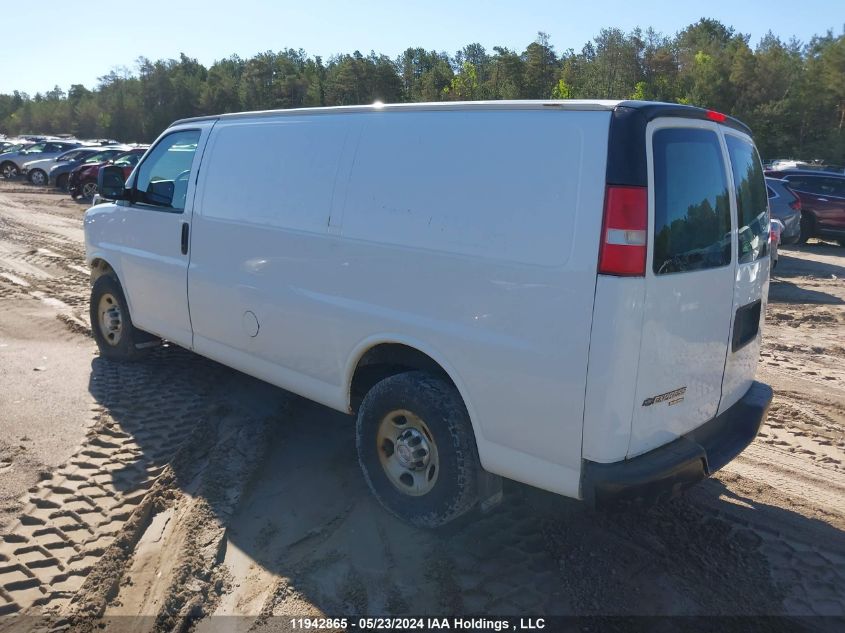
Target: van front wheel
417, 450
111, 323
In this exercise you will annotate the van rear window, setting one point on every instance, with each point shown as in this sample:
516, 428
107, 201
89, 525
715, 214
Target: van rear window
692, 215
752, 203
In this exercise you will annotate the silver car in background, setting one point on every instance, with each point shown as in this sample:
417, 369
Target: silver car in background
12, 162
784, 205
36, 171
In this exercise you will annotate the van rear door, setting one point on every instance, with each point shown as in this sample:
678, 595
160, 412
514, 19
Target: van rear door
689, 282
751, 286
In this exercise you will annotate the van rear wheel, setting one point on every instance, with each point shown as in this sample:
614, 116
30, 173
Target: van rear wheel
111, 322
417, 450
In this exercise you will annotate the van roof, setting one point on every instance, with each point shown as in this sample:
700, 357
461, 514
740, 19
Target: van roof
651, 109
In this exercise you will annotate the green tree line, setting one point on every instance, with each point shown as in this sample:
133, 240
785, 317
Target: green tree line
792, 94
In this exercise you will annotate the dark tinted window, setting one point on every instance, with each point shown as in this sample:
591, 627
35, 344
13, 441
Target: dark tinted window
127, 160
692, 215
832, 186
808, 184
99, 157
72, 154
752, 203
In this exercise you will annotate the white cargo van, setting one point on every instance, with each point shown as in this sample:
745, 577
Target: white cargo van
564, 293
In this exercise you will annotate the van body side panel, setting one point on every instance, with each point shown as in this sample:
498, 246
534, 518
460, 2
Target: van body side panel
470, 235
261, 251
612, 371
478, 233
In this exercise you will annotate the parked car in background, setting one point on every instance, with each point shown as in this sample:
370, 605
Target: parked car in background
11, 162
5, 145
37, 171
785, 205
14, 146
822, 196
787, 163
59, 173
82, 181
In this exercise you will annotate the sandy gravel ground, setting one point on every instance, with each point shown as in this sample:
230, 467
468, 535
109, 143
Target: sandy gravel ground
183, 491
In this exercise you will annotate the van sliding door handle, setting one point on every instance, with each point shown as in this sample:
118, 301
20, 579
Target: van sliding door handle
184, 238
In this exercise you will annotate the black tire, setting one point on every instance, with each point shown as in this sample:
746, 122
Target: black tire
37, 177
61, 182
808, 228
123, 346
9, 170
454, 484
88, 189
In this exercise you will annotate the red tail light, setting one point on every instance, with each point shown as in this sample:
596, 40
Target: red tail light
624, 230
718, 117
795, 204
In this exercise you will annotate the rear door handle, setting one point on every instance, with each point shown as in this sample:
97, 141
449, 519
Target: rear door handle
822, 199
184, 238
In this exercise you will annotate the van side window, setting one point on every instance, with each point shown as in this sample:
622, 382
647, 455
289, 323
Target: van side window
692, 215
163, 177
752, 204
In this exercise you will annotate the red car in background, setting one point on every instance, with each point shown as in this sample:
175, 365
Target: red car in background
82, 182
822, 195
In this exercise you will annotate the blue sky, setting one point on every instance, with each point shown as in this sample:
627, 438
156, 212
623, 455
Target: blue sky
94, 45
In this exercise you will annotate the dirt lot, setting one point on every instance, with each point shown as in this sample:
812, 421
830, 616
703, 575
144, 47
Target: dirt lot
178, 489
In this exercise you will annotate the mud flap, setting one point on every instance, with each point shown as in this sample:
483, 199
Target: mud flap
489, 491
147, 340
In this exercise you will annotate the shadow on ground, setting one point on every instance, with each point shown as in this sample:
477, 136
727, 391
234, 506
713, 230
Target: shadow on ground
782, 291
307, 530
791, 266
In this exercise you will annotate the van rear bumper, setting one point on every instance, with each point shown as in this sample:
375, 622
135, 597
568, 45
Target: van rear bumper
666, 471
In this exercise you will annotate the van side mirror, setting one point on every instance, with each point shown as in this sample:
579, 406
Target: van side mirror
110, 182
